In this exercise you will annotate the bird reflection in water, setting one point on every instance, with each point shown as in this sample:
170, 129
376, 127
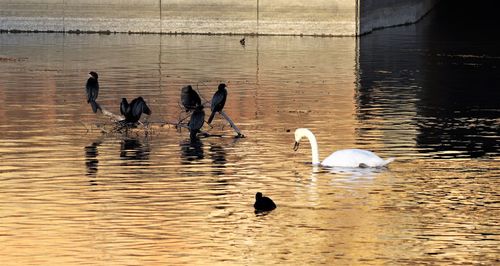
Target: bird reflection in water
133, 149
191, 150
218, 156
91, 161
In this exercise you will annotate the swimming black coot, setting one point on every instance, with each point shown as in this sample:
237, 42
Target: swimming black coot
263, 204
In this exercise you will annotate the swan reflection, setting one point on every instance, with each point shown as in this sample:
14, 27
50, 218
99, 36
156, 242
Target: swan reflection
352, 174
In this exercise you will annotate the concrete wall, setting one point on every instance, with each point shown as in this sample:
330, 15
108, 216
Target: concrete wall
375, 14
279, 17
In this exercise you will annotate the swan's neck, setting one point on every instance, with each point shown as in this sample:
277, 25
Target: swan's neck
314, 147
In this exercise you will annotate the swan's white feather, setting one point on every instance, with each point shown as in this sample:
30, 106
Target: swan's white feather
354, 158
341, 158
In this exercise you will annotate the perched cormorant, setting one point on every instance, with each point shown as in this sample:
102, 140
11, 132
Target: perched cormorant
196, 122
263, 204
190, 98
136, 107
218, 101
124, 107
92, 89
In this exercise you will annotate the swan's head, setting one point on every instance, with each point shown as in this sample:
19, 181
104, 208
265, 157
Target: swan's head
299, 134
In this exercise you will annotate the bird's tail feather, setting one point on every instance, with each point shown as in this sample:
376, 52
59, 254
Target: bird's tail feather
211, 117
388, 161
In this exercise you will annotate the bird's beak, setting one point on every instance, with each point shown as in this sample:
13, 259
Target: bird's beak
90, 75
296, 146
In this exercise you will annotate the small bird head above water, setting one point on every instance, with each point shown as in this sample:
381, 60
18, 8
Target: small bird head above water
93, 75
263, 204
258, 196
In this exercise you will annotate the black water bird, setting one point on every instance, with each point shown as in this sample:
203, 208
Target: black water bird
124, 107
190, 98
218, 101
263, 204
92, 89
135, 109
196, 122
242, 41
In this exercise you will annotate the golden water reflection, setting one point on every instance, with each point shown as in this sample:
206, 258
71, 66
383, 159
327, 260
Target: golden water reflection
73, 196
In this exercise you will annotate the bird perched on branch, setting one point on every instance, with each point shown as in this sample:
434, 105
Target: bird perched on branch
134, 110
190, 98
218, 101
196, 122
92, 90
124, 107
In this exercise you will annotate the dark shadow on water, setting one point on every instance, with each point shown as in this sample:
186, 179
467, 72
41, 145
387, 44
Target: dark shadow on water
134, 150
218, 155
440, 77
219, 181
191, 150
91, 161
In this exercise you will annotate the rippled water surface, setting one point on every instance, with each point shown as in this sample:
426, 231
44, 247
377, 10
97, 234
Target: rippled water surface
72, 195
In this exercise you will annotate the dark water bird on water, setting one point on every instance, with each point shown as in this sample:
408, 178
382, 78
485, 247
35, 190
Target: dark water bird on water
92, 89
263, 204
124, 106
196, 122
190, 98
135, 109
218, 101
242, 41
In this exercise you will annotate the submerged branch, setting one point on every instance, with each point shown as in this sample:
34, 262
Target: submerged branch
113, 117
240, 135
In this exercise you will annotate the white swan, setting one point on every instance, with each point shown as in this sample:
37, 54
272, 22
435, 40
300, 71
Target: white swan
341, 158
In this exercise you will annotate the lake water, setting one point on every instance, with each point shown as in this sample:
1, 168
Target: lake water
427, 95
